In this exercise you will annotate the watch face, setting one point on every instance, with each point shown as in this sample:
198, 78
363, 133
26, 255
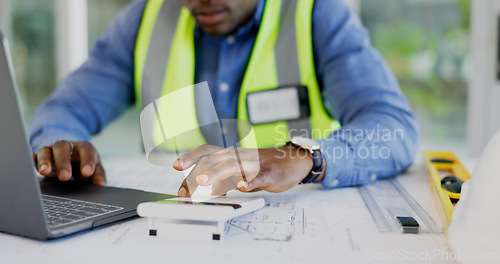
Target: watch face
305, 143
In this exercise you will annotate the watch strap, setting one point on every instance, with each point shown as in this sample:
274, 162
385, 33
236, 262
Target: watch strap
317, 169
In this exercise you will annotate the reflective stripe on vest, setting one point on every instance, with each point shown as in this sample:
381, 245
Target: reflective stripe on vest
282, 55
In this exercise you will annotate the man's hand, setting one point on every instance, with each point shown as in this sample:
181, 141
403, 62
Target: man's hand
65, 159
273, 170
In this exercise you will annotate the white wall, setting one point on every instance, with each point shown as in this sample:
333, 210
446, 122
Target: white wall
484, 89
5, 17
72, 35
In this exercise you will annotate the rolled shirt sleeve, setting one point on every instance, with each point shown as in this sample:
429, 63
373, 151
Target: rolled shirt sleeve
379, 134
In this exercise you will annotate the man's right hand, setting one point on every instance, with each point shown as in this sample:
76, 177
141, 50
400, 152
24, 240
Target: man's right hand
65, 159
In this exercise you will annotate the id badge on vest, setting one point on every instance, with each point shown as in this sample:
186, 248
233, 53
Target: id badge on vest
285, 103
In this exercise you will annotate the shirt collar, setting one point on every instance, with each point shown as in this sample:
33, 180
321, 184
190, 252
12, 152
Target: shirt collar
259, 11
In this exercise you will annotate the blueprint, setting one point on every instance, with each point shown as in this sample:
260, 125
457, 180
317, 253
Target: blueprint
308, 219
279, 220
290, 218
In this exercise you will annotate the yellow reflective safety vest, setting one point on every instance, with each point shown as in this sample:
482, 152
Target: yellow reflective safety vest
282, 55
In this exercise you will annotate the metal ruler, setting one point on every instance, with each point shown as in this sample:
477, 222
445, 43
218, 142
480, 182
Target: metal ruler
387, 199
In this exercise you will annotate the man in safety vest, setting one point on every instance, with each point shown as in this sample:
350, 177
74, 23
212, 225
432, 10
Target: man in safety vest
322, 103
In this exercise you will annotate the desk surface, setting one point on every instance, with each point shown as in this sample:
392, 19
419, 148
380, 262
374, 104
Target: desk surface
314, 224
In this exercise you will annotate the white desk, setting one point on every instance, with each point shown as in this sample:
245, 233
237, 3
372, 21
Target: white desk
343, 234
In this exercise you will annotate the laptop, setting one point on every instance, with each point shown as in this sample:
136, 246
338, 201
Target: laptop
38, 208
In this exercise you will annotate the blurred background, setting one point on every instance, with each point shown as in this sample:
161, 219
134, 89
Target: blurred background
426, 43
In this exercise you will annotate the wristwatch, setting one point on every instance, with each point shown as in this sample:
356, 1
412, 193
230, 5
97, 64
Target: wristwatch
312, 147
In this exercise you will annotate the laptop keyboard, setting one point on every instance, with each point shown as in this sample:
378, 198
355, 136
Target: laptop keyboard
61, 211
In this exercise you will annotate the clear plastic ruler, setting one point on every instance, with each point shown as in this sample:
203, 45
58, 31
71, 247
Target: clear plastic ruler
387, 199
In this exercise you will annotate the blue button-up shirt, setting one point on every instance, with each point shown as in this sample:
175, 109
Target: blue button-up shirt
379, 134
